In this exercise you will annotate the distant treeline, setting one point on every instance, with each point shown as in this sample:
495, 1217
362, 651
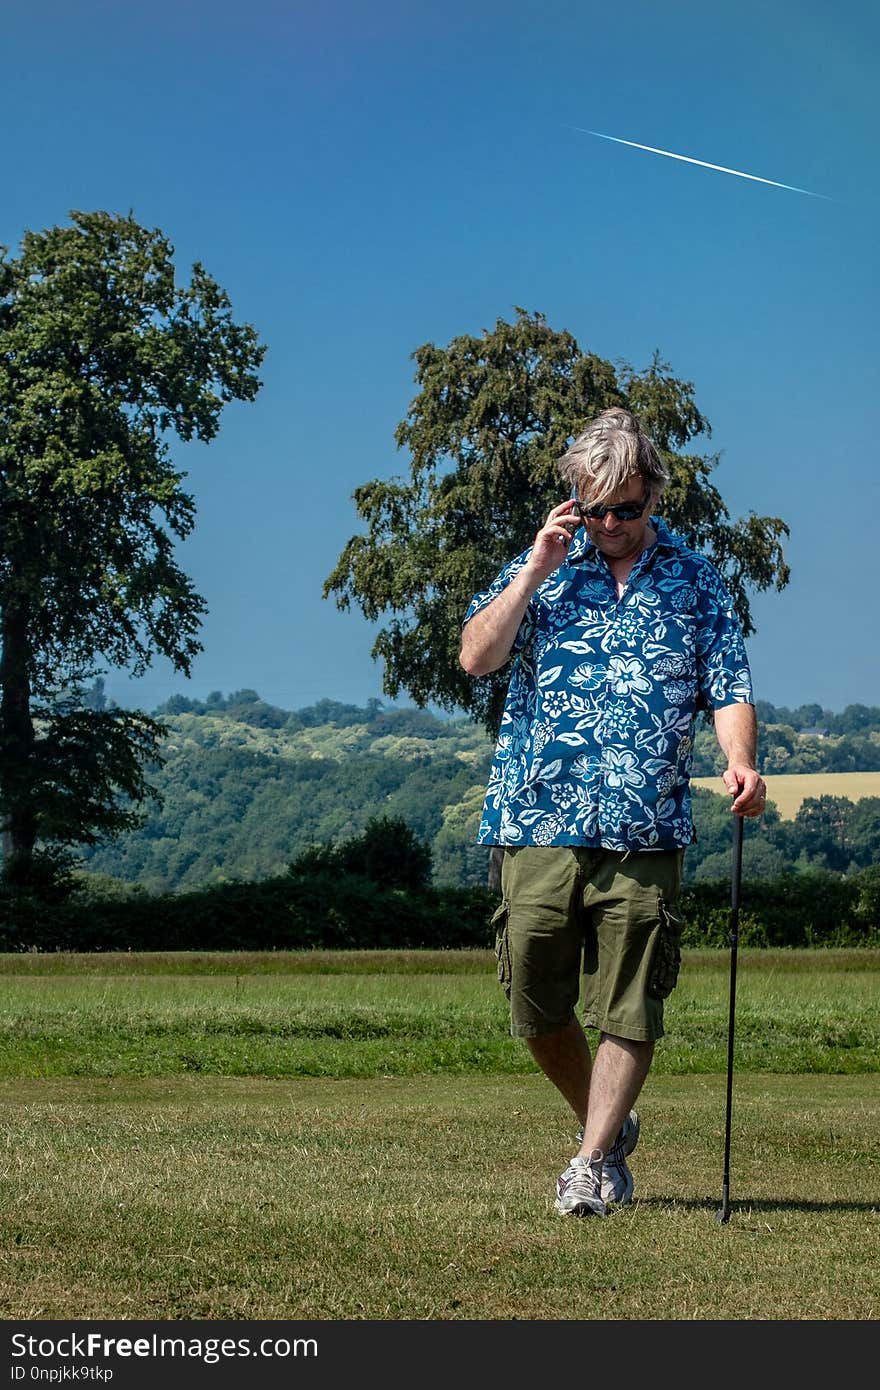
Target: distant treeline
246, 787
247, 706
806, 739
855, 719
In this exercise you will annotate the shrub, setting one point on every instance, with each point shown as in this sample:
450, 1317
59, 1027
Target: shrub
814, 908
388, 853
335, 910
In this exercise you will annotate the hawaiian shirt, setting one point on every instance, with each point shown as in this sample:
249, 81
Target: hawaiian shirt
596, 740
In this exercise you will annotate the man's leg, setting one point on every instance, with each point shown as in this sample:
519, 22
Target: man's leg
629, 901
598, 1177
564, 1057
619, 1073
626, 899
540, 964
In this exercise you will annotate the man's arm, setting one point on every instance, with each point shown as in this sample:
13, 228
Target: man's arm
487, 637
736, 728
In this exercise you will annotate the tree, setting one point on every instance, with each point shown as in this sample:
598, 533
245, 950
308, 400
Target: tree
856, 719
820, 831
710, 855
863, 832
103, 358
388, 853
492, 416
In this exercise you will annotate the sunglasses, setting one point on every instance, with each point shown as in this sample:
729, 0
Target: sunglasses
623, 511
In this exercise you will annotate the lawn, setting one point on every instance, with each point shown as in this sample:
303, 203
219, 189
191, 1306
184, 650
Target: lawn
331, 1136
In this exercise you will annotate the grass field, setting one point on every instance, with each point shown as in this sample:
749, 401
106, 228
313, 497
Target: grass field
354, 1136
787, 791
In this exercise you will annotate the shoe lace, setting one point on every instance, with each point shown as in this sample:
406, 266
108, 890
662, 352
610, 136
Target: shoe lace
586, 1179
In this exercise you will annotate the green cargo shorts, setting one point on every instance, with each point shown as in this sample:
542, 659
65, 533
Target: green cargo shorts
612, 914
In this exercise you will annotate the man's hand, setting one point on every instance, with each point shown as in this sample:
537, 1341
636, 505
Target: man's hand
748, 789
736, 728
487, 638
552, 542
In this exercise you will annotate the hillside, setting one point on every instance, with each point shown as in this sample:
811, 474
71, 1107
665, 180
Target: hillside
246, 787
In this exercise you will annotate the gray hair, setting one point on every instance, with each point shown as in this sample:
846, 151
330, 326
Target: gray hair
611, 450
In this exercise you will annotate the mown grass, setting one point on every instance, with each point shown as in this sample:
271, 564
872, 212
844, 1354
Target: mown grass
326, 962
311, 962
430, 1198
329, 1136
792, 1016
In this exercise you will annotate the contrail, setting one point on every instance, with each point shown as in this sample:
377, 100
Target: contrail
702, 162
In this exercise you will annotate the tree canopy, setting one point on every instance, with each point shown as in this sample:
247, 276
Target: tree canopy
492, 416
104, 359
246, 787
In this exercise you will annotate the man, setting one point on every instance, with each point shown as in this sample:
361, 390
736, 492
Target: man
621, 634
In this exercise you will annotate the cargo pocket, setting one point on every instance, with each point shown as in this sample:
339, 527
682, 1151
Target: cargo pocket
502, 946
666, 963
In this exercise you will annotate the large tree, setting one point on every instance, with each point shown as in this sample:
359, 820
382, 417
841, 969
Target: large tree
104, 359
492, 416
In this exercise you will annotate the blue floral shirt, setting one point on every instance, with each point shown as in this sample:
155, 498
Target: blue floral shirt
596, 739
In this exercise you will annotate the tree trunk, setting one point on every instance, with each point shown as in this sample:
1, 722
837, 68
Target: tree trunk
17, 739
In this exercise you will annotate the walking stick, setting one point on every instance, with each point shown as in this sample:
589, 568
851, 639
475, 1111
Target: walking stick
723, 1215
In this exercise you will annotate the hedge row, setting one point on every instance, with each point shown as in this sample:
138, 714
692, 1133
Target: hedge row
282, 914
810, 909
352, 912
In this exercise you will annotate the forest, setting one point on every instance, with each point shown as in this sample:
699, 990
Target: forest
246, 787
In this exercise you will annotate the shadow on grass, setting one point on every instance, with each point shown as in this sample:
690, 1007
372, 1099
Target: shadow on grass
744, 1207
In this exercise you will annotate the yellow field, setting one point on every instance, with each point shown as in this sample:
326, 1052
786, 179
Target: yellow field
787, 791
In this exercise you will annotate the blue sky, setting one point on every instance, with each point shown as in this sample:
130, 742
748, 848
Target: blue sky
364, 178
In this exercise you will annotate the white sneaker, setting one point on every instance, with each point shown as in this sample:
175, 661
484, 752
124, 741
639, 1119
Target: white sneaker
579, 1188
617, 1180
616, 1187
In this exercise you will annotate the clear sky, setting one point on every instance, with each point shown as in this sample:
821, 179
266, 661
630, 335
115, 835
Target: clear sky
363, 178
